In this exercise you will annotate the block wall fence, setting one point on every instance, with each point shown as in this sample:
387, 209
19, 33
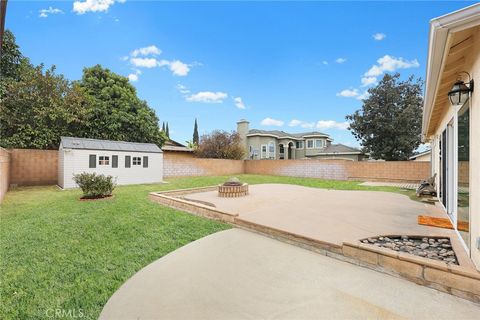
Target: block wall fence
26, 167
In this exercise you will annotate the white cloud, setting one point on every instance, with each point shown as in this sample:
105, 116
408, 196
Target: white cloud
379, 36
271, 122
331, 124
389, 64
348, 93
340, 60
43, 13
150, 50
179, 68
366, 81
133, 77
207, 97
93, 5
144, 62
239, 103
182, 89
303, 124
325, 62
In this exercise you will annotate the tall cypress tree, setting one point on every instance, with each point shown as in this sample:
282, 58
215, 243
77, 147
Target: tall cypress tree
163, 126
167, 131
195, 133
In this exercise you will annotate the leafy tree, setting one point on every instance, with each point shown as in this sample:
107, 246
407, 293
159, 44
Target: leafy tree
220, 145
114, 110
389, 124
167, 131
195, 133
36, 111
12, 62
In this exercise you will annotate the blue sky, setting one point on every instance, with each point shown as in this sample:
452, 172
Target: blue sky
282, 65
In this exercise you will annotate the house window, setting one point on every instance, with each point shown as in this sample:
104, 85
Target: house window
255, 154
271, 150
136, 161
103, 161
318, 144
300, 145
264, 151
310, 144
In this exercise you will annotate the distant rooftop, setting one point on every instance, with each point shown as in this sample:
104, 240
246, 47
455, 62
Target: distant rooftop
96, 144
283, 134
172, 145
339, 149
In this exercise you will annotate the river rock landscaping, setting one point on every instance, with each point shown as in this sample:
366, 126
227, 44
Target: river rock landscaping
439, 249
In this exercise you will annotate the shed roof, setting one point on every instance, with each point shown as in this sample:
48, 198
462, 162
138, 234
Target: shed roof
96, 144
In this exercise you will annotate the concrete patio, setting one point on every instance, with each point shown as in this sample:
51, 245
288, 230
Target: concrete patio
332, 216
236, 274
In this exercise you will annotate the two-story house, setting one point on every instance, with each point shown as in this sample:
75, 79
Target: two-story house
276, 144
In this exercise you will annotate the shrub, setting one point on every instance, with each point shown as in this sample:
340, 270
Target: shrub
94, 185
221, 145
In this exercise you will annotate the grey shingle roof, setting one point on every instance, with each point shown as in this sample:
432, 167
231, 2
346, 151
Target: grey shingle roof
279, 133
96, 144
339, 148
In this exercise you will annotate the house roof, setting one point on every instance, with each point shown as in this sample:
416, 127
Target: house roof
96, 144
172, 145
339, 149
282, 134
420, 154
450, 38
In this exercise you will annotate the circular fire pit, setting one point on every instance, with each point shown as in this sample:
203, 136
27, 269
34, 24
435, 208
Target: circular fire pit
233, 188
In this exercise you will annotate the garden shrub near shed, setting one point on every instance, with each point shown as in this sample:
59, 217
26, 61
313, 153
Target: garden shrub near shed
94, 185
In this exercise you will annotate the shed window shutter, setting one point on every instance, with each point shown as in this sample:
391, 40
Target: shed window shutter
127, 161
92, 161
145, 162
114, 161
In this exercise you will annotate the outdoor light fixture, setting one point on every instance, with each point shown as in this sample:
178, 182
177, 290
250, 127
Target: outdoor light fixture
460, 91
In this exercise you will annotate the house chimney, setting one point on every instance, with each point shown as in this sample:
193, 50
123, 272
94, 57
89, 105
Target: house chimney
242, 130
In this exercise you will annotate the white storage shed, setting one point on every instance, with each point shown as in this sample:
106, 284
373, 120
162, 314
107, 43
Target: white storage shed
128, 162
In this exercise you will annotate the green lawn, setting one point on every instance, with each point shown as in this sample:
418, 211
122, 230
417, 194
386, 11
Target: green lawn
60, 253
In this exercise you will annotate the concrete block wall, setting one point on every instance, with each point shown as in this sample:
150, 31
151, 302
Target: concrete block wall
4, 172
31, 167
182, 164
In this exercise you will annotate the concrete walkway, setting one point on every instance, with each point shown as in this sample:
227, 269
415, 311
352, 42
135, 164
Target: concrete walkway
236, 274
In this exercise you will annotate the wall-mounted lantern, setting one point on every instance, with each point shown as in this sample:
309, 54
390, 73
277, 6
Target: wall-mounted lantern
460, 91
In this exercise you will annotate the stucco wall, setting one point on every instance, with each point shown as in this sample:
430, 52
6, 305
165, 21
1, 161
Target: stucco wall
4, 172
33, 167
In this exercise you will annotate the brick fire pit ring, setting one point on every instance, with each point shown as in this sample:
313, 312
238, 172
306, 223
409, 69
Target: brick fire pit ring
226, 191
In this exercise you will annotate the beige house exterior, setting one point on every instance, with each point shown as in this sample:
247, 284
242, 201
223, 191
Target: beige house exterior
453, 128
280, 145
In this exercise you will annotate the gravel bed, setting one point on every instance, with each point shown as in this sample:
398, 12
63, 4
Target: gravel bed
434, 248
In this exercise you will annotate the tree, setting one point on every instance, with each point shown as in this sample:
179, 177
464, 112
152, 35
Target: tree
114, 110
195, 133
36, 111
389, 124
12, 62
167, 131
163, 126
220, 145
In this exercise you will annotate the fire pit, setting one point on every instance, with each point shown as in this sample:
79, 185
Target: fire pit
233, 188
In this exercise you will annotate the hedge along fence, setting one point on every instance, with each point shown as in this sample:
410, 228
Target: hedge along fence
39, 167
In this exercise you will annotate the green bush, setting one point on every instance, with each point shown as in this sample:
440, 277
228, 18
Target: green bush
94, 185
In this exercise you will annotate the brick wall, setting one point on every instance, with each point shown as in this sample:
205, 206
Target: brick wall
4, 172
402, 171
182, 164
33, 167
